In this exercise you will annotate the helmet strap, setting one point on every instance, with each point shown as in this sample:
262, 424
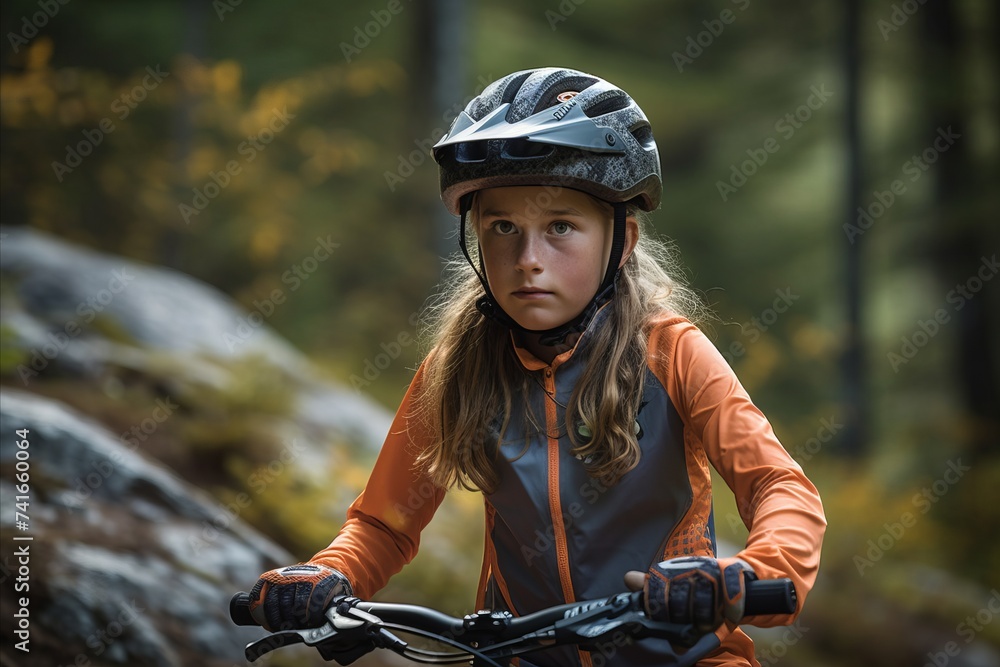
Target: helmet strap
488, 306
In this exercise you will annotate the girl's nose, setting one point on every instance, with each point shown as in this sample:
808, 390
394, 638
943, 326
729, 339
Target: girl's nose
528, 257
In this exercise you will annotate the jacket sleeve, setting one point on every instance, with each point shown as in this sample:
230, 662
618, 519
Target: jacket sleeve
382, 531
778, 504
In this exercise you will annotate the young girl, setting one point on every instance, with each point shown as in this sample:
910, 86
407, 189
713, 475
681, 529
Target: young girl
567, 384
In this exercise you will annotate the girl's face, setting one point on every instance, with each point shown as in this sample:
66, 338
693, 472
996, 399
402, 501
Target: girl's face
545, 250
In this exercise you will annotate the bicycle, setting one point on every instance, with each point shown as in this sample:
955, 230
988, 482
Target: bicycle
491, 638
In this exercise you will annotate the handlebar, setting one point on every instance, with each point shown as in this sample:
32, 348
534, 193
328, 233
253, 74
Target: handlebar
768, 596
355, 627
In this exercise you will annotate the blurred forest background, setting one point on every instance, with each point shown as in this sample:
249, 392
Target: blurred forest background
281, 149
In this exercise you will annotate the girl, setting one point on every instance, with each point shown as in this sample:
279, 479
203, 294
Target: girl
567, 384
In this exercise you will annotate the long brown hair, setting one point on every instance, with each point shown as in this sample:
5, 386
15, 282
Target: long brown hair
472, 373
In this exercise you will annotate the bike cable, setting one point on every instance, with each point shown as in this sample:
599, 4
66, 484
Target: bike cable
437, 657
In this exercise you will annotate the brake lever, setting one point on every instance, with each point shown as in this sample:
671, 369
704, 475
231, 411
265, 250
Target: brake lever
343, 621
345, 617
282, 638
360, 632
590, 626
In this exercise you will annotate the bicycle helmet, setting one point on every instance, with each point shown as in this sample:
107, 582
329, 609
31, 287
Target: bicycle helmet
559, 127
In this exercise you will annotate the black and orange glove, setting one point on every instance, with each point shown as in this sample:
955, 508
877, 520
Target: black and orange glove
296, 596
699, 591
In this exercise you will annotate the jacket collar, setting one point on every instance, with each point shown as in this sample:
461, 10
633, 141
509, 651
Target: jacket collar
533, 363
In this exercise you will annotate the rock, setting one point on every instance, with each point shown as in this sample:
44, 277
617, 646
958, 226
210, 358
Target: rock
146, 314
128, 367
120, 568
155, 307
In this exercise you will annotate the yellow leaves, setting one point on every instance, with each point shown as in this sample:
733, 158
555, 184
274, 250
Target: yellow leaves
382, 75
194, 77
70, 96
309, 138
218, 88
265, 242
760, 361
154, 192
270, 103
362, 82
200, 161
330, 152
69, 112
812, 341
356, 80
31, 92
39, 54
226, 77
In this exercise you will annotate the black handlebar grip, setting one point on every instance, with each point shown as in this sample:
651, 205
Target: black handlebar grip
239, 609
770, 596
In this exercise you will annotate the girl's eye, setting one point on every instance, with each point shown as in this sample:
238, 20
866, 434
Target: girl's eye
503, 227
562, 228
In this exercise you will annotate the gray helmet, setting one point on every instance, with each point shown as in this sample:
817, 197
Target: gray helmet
551, 126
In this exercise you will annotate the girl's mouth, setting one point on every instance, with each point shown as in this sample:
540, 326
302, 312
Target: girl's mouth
530, 293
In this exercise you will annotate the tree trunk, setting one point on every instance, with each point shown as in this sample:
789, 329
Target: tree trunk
964, 237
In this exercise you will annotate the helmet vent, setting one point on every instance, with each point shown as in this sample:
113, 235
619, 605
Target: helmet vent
522, 149
513, 87
471, 151
575, 84
607, 105
644, 135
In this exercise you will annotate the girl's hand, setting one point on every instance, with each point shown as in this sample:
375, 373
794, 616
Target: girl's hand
635, 580
701, 591
296, 596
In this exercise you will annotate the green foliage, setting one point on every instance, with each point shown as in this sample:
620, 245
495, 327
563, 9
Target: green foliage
11, 356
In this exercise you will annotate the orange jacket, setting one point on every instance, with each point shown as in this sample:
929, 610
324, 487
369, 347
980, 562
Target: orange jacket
554, 535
